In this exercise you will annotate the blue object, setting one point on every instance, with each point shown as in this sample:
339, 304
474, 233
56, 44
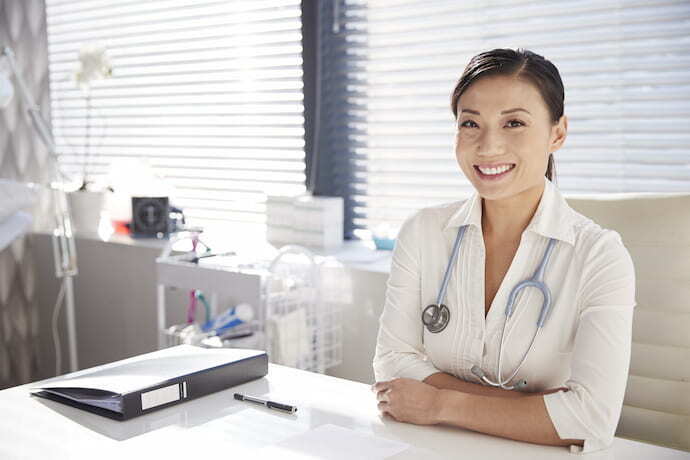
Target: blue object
385, 244
436, 316
232, 317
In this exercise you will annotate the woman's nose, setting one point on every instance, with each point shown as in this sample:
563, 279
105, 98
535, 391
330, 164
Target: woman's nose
490, 143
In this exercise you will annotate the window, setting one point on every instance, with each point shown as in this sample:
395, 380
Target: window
391, 66
209, 92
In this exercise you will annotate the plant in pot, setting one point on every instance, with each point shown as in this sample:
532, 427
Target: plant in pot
87, 201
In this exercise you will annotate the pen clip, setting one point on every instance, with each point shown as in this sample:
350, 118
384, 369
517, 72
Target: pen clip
284, 407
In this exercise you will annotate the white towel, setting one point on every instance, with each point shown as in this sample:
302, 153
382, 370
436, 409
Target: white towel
290, 338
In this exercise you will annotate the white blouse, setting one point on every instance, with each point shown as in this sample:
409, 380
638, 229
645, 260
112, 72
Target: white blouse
584, 344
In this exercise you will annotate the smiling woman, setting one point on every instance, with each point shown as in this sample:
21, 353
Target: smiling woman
538, 81
539, 297
504, 152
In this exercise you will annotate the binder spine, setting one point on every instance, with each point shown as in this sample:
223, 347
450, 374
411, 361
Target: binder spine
193, 386
222, 378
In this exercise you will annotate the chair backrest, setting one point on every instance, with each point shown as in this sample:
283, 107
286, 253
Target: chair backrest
656, 230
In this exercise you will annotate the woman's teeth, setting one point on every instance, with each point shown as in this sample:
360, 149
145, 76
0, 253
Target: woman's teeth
494, 171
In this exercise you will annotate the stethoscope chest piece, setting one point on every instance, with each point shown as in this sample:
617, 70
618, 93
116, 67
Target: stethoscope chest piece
436, 317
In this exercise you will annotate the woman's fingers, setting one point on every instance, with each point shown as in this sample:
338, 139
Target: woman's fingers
383, 390
380, 386
385, 412
383, 395
385, 408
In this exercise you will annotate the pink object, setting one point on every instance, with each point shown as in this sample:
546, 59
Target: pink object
191, 310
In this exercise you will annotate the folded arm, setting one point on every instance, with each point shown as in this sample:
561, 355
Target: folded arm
523, 418
444, 381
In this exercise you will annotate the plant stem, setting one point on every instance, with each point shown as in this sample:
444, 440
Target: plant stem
87, 141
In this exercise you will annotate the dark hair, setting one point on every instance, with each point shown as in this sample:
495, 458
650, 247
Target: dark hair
518, 63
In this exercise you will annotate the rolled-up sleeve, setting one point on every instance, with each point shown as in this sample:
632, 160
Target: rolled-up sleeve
590, 410
399, 348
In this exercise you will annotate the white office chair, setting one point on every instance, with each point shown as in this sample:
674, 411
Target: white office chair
656, 230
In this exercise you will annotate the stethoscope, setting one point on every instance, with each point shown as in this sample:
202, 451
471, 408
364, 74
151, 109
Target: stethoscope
436, 316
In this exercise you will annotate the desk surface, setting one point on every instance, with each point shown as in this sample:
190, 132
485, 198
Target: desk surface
218, 425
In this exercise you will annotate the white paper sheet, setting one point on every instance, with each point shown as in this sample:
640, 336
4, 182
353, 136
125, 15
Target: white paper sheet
332, 442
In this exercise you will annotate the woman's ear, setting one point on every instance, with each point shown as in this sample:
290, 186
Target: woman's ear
559, 132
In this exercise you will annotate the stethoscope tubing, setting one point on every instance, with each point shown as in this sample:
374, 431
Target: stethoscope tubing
536, 281
451, 263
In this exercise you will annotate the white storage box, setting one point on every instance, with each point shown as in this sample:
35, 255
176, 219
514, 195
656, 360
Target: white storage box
312, 221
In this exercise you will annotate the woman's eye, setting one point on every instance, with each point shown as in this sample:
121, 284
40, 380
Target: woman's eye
465, 124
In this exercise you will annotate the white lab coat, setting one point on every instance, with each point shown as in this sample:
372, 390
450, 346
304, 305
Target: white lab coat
584, 345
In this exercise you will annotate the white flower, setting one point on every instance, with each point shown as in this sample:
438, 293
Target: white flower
94, 64
385, 231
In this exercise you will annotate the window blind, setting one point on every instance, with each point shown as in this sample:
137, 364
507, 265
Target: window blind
625, 66
209, 92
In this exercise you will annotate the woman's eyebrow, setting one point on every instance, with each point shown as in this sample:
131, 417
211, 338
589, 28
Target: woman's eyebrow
516, 109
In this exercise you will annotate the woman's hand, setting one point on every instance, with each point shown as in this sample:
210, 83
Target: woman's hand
408, 400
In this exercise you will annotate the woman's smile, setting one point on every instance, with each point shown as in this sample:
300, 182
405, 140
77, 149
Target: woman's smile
494, 173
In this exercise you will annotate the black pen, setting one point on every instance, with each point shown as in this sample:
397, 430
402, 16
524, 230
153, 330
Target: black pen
195, 260
270, 404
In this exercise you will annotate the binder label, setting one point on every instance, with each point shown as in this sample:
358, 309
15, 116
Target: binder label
160, 396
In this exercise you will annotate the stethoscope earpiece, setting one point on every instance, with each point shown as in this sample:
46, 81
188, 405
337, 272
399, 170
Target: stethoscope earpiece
476, 370
479, 373
520, 385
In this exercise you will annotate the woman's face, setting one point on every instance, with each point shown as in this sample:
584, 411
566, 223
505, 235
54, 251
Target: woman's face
490, 138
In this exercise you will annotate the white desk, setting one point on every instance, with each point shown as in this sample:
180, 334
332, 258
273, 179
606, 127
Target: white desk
218, 426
